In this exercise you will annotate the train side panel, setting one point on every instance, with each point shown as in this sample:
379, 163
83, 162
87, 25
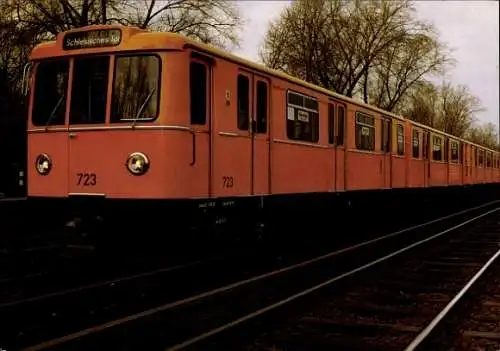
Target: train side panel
187, 119
455, 174
365, 166
231, 149
399, 149
415, 158
300, 161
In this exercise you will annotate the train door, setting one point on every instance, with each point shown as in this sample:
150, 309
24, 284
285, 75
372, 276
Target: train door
259, 132
336, 131
425, 152
201, 105
240, 142
469, 163
473, 173
87, 112
463, 163
386, 159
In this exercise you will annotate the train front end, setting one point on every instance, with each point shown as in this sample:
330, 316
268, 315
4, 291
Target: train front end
98, 144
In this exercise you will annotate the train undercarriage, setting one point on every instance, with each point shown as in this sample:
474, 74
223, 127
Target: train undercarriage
296, 219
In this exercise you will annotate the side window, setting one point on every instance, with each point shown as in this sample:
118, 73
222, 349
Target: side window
198, 92
243, 103
488, 159
480, 157
136, 88
331, 124
385, 143
415, 143
437, 148
302, 117
474, 155
365, 132
262, 107
401, 140
454, 157
340, 125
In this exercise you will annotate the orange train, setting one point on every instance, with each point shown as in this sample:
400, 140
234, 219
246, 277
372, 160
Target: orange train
127, 116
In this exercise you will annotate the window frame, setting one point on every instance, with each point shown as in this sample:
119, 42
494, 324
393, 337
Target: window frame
315, 134
385, 138
400, 151
440, 137
489, 156
332, 121
33, 93
258, 129
340, 132
111, 64
419, 143
480, 157
362, 124
207, 92
243, 125
117, 56
452, 159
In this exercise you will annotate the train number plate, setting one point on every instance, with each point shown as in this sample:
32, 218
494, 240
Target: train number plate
86, 179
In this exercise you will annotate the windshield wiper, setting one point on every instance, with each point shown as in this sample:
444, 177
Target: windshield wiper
143, 106
53, 113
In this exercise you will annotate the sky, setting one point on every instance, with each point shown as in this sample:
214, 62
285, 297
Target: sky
470, 28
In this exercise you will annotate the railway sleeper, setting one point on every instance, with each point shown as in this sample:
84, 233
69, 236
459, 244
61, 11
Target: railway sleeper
328, 342
481, 334
332, 326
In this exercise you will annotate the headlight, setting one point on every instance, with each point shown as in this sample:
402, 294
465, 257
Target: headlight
43, 164
137, 163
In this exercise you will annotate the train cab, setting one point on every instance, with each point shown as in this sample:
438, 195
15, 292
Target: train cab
103, 121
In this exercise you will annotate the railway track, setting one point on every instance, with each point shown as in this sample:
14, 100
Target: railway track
472, 320
37, 316
403, 304
220, 317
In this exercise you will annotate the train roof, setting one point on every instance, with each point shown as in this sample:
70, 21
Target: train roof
136, 39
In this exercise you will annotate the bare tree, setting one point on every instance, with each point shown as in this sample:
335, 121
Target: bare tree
485, 135
337, 44
452, 109
421, 103
403, 65
458, 109
24, 23
211, 21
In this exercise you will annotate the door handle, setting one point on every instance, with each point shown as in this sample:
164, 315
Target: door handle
72, 135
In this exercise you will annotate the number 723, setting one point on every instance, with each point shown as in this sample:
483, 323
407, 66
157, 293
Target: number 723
86, 179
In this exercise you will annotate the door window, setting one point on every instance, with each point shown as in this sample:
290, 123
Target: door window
89, 90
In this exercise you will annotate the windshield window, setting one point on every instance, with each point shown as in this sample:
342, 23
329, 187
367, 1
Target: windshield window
135, 88
89, 90
49, 103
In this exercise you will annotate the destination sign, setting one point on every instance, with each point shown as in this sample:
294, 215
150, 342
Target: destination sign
92, 39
